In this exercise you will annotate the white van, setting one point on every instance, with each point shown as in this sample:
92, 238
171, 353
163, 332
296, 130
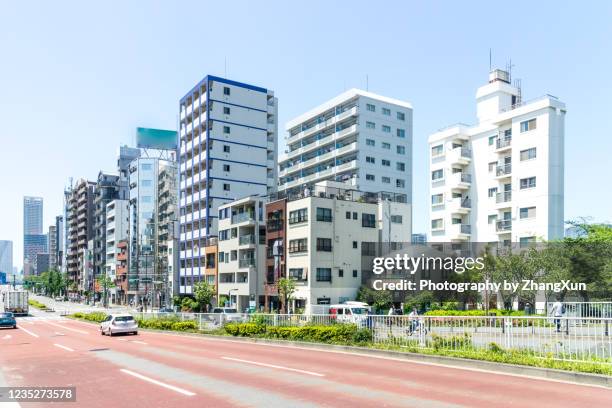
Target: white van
350, 312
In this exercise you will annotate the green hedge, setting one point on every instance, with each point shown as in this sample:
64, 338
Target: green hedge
169, 323
37, 304
337, 333
96, 317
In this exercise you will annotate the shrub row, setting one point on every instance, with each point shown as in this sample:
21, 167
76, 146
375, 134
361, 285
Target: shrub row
496, 312
337, 333
37, 304
96, 317
167, 324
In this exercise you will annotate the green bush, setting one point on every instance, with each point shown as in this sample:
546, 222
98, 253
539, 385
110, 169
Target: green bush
337, 333
462, 341
37, 304
245, 329
185, 326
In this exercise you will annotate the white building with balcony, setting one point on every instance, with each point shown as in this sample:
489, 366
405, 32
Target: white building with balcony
242, 252
117, 228
329, 232
228, 151
502, 179
358, 138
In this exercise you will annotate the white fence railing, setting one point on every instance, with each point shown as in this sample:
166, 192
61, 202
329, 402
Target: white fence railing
585, 309
567, 338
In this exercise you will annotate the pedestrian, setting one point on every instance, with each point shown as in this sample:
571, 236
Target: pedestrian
557, 312
413, 317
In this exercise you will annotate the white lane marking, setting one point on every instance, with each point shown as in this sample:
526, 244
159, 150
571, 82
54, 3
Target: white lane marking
138, 341
8, 336
161, 384
59, 334
63, 347
274, 366
68, 328
27, 331
121, 339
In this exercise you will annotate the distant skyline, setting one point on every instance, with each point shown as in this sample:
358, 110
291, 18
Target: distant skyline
78, 78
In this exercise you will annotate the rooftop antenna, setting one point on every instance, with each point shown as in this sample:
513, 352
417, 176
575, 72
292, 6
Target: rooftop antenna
509, 70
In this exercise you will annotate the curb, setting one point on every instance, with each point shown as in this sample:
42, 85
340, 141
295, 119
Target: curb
598, 380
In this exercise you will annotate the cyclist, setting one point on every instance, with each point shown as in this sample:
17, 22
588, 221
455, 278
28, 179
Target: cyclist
413, 317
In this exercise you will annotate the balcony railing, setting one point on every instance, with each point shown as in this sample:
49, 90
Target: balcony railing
246, 262
466, 203
465, 152
242, 217
466, 178
504, 225
246, 239
466, 229
275, 225
504, 169
504, 197
503, 142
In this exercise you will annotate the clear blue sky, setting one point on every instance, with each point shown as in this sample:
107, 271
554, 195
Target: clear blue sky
76, 79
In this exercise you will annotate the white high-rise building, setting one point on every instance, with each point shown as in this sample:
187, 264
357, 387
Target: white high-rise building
500, 180
358, 138
228, 136
117, 230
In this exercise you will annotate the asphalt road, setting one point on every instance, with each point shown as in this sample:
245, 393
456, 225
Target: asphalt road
169, 370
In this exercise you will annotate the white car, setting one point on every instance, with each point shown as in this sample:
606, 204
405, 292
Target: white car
118, 323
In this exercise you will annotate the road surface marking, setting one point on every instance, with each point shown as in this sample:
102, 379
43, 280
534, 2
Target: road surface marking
8, 336
29, 332
59, 334
139, 342
68, 328
63, 347
161, 384
274, 366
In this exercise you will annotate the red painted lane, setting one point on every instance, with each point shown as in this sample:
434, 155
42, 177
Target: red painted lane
441, 383
30, 361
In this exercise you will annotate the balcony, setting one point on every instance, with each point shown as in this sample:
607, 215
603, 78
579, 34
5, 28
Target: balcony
460, 205
461, 180
247, 239
503, 197
503, 170
244, 217
504, 226
460, 155
460, 231
275, 225
323, 141
246, 263
503, 144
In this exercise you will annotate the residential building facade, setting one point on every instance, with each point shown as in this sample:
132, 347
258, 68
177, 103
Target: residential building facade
106, 190
80, 222
228, 137
502, 179
34, 241
358, 138
52, 246
117, 228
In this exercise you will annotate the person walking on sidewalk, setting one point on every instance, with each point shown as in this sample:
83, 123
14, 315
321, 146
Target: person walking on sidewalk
557, 312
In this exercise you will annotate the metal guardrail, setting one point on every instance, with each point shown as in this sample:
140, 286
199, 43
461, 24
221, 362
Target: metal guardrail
566, 338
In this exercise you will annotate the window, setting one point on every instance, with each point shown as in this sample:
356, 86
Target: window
386, 129
370, 125
492, 218
370, 177
456, 221
386, 111
386, 180
368, 220
400, 166
437, 224
528, 183
340, 273
146, 183
355, 273
492, 166
226, 167
354, 244
400, 149
437, 174
370, 159
437, 150
221, 256
400, 183
348, 215
146, 166
226, 110
226, 90
386, 146
396, 219
492, 140
528, 154
297, 216
528, 125
323, 274
146, 199
437, 199
401, 133
368, 248
492, 192
527, 212
298, 245
370, 107
223, 235
386, 163
226, 130
226, 187
401, 116
296, 273
226, 149
526, 241
324, 214
355, 215
370, 142
324, 244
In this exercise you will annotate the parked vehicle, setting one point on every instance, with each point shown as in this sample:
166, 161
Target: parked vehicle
59, 298
118, 323
228, 314
16, 302
350, 312
8, 320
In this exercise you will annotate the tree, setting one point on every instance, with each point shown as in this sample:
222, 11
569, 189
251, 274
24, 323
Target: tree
105, 283
515, 267
286, 289
380, 299
204, 293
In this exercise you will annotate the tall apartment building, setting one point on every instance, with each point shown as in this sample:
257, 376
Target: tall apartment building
34, 241
242, 252
276, 251
148, 269
117, 229
6, 257
168, 229
52, 246
228, 137
106, 190
502, 179
80, 220
328, 232
358, 138
41, 263
59, 243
